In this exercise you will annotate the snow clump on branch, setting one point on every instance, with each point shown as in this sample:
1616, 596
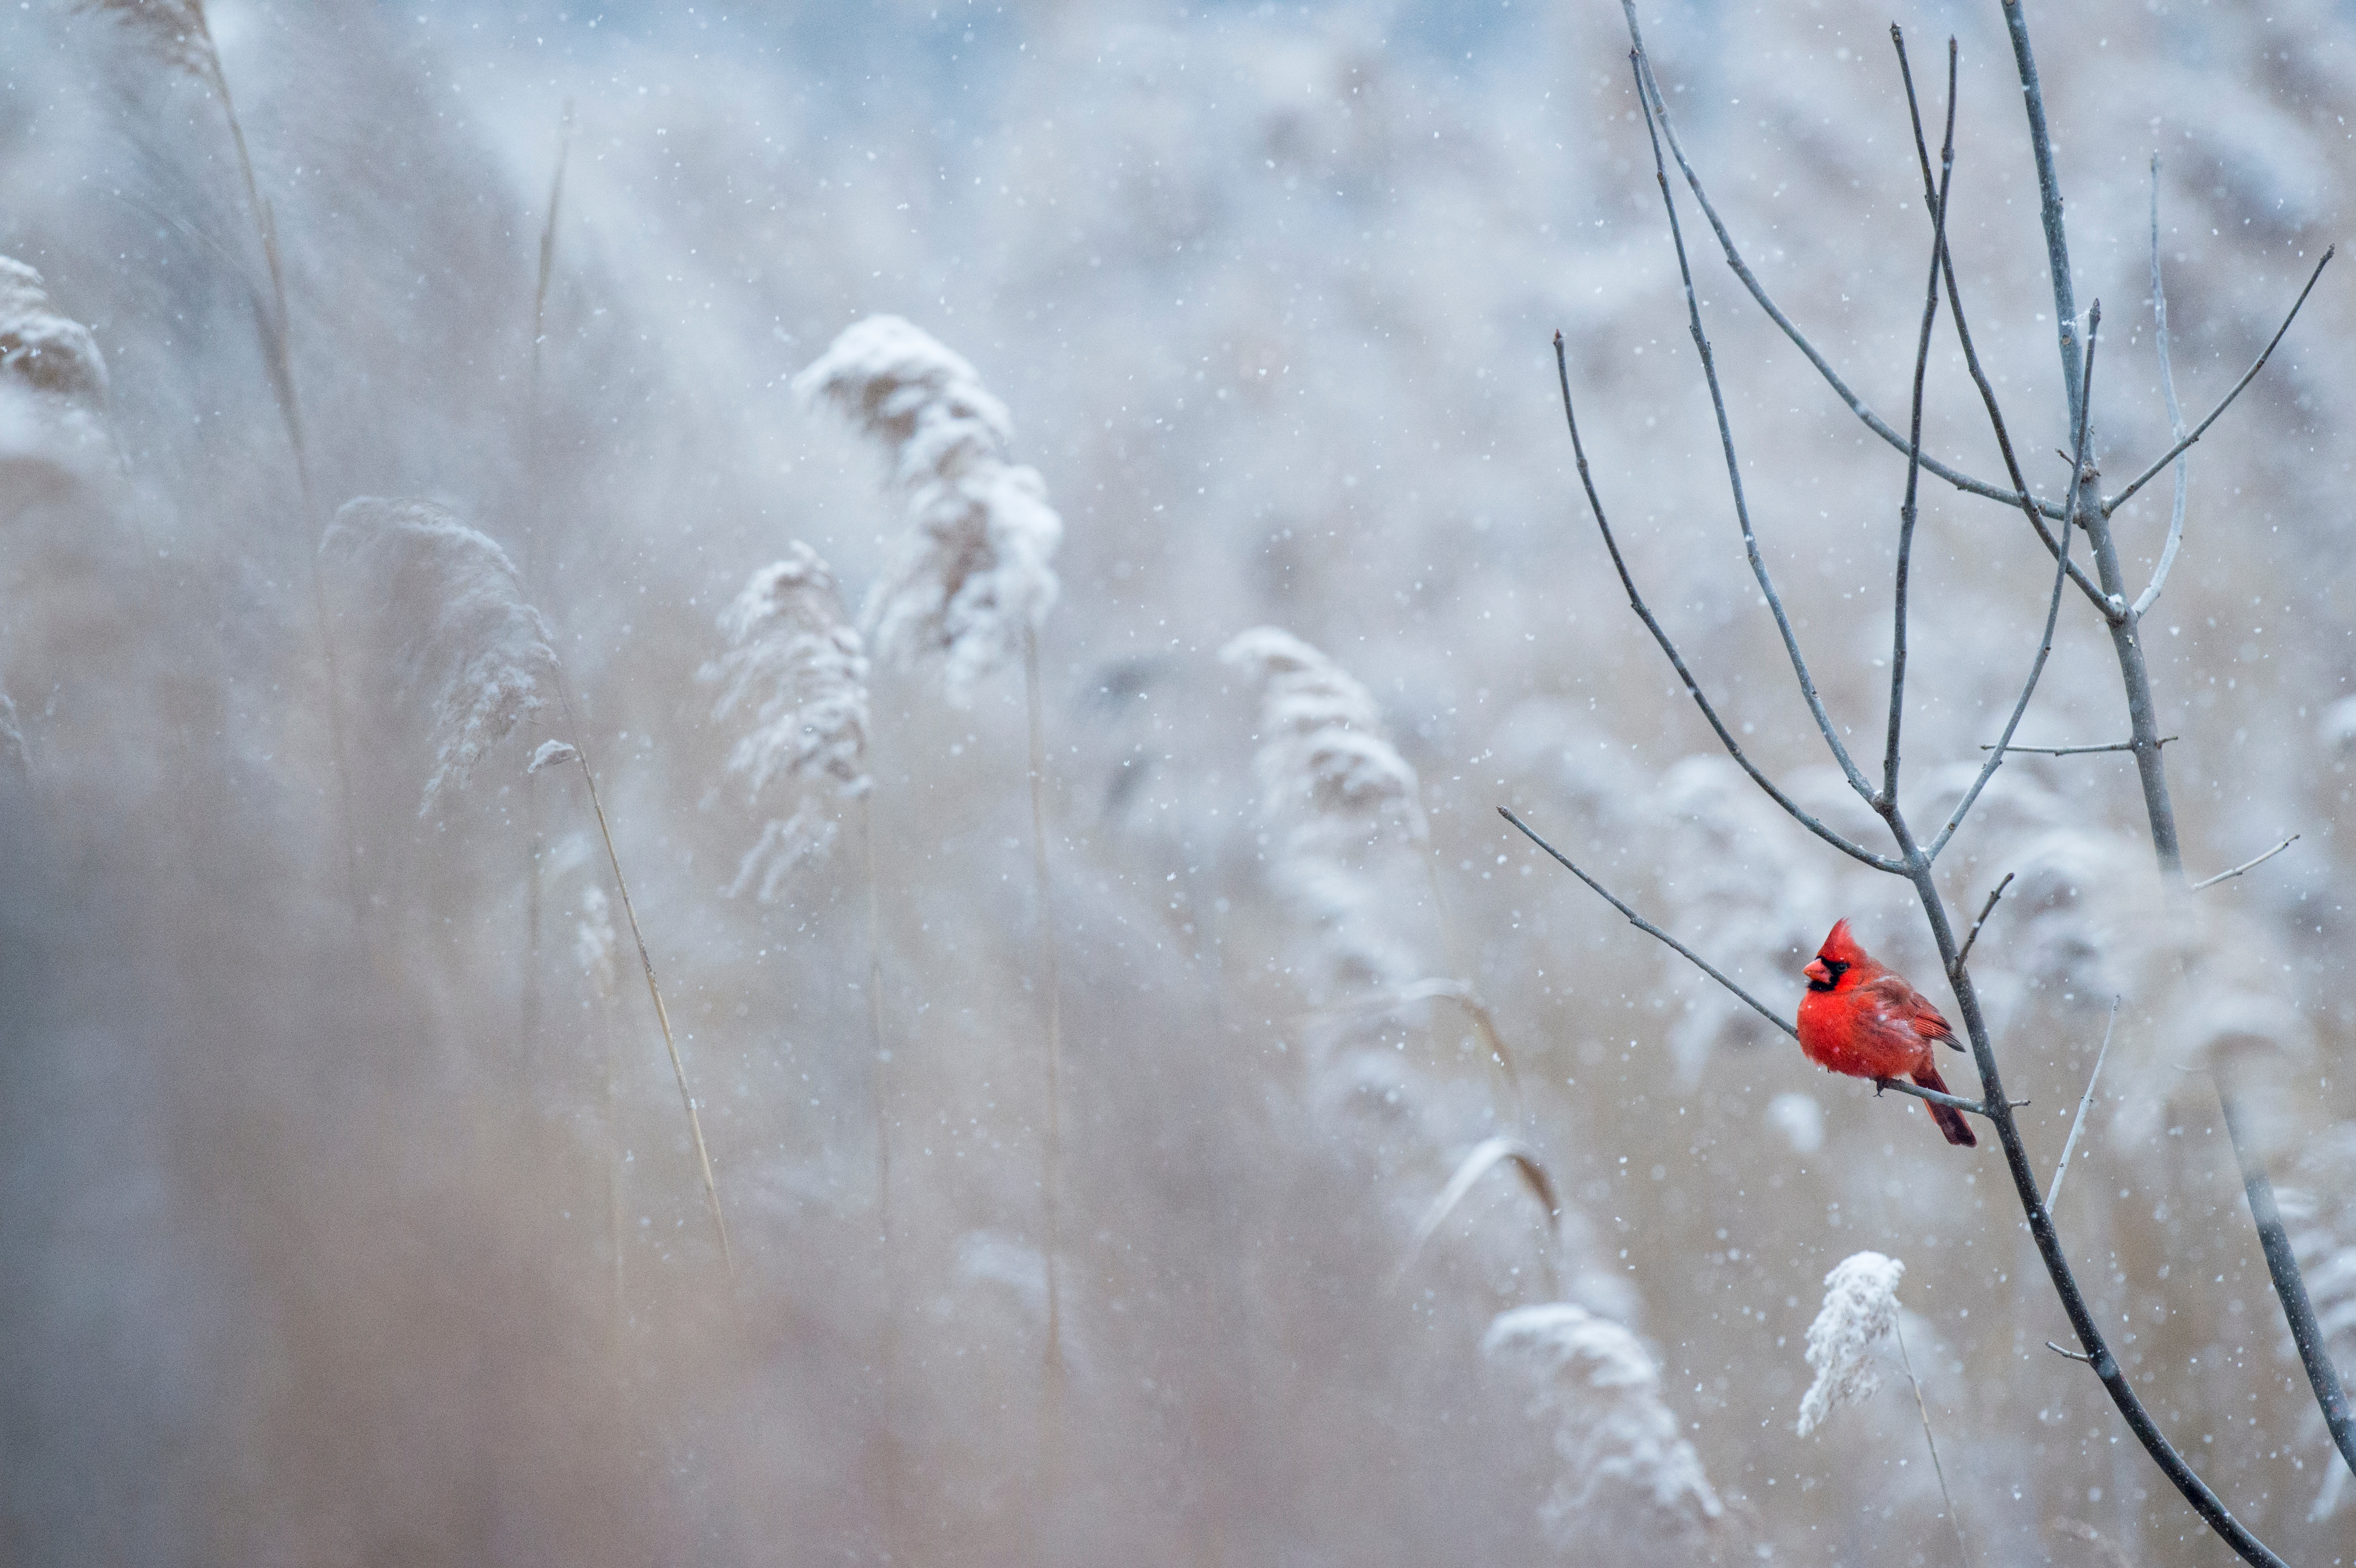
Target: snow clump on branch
52, 377
973, 579
802, 672
1624, 1464
446, 604
1861, 1308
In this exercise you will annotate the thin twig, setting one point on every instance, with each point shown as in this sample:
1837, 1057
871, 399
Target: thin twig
2150, 595
2085, 1101
2260, 860
1962, 1551
1907, 510
1726, 442
2074, 1355
1985, 911
1651, 929
2077, 750
1741, 269
2052, 608
2227, 401
1669, 647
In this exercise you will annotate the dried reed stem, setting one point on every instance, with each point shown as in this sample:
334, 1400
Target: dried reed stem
1051, 1176
662, 1014
1962, 1552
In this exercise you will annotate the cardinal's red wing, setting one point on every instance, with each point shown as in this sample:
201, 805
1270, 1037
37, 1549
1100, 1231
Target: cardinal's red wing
1900, 1003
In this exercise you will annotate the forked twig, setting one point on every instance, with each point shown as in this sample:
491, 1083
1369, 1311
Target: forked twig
2227, 400
2085, 1101
2260, 860
1669, 647
1985, 911
2036, 512
2052, 608
1808, 693
1741, 269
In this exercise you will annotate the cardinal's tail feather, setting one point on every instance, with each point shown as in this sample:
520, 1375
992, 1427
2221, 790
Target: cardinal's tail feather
1950, 1120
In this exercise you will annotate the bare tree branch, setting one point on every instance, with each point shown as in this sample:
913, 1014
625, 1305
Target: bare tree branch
2151, 770
2078, 750
2224, 875
2227, 401
2145, 600
1669, 647
1650, 91
1726, 442
1906, 511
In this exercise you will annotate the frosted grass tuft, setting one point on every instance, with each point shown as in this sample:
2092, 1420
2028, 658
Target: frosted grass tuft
801, 673
174, 30
1860, 1309
974, 576
448, 603
1623, 1459
1336, 797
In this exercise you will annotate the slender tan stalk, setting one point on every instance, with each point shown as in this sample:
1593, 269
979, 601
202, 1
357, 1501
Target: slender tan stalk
1962, 1551
888, 1356
654, 991
534, 848
1052, 1150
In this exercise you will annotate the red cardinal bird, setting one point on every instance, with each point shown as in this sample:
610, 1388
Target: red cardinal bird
1864, 1020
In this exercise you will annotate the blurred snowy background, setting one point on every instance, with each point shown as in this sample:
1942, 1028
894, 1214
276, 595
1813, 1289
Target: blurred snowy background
326, 1241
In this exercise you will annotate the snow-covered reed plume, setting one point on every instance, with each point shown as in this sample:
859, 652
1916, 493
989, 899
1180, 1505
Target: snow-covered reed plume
173, 30
1626, 1471
800, 672
447, 604
1340, 804
974, 576
1860, 1309
52, 377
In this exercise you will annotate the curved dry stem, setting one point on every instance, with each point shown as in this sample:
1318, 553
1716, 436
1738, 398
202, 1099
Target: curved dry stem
1485, 1156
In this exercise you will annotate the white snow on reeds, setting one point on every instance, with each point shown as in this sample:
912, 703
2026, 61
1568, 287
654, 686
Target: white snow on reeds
1860, 1309
1624, 1464
448, 607
1339, 804
174, 30
800, 672
52, 377
596, 945
974, 574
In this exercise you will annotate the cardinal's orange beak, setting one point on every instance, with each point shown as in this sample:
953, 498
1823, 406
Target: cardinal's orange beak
1817, 972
